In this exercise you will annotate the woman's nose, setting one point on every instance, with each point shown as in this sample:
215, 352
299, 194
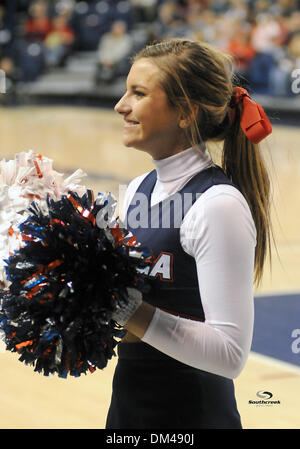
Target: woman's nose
122, 107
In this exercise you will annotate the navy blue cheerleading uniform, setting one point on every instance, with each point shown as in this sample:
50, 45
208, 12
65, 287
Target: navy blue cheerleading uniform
150, 389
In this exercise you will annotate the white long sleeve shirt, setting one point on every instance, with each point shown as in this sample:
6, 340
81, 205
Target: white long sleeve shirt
219, 232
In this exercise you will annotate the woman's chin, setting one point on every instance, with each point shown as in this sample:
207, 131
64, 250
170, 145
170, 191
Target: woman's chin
129, 143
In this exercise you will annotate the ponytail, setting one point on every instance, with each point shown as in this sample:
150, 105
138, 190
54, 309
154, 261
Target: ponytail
243, 164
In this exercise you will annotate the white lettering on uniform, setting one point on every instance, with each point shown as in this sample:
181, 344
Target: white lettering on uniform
163, 267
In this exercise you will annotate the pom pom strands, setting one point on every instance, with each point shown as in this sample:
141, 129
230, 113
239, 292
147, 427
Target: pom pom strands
29, 177
66, 282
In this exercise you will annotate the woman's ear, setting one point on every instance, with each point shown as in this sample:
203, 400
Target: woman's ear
188, 117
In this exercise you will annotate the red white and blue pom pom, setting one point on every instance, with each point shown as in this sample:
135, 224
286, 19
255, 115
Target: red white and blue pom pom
65, 282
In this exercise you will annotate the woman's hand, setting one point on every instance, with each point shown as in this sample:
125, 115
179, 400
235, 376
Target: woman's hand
135, 315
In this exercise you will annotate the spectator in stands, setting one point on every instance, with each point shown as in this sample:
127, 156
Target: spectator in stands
293, 22
223, 30
294, 49
267, 34
114, 50
38, 24
200, 24
283, 7
58, 42
7, 65
144, 10
281, 76
241, 48
267, 38
171, 21
5, 33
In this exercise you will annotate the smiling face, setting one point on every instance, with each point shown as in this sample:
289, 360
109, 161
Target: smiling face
150, 124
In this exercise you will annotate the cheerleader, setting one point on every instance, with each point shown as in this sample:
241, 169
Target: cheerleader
190, 336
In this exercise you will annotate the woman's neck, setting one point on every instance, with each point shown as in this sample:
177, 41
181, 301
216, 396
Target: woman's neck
183, 164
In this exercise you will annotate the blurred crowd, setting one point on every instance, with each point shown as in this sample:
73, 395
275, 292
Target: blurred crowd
262, 35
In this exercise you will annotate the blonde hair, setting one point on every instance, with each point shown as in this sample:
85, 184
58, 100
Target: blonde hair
195, 73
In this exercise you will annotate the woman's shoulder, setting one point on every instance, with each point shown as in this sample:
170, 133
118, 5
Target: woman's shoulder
220, 211
228, 191
224, 199
219, 204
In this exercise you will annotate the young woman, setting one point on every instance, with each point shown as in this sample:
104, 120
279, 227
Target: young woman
191, 335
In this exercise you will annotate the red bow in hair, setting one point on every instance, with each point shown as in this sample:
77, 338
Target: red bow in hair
254, 121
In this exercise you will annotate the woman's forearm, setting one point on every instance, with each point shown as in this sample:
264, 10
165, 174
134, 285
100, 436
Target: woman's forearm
139, 322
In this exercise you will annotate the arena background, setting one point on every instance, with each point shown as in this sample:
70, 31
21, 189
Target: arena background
60, 91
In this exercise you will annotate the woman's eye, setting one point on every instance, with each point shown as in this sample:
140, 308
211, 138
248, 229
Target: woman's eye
138, 93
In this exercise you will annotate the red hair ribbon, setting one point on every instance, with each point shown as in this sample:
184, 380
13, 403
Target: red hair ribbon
254, 121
